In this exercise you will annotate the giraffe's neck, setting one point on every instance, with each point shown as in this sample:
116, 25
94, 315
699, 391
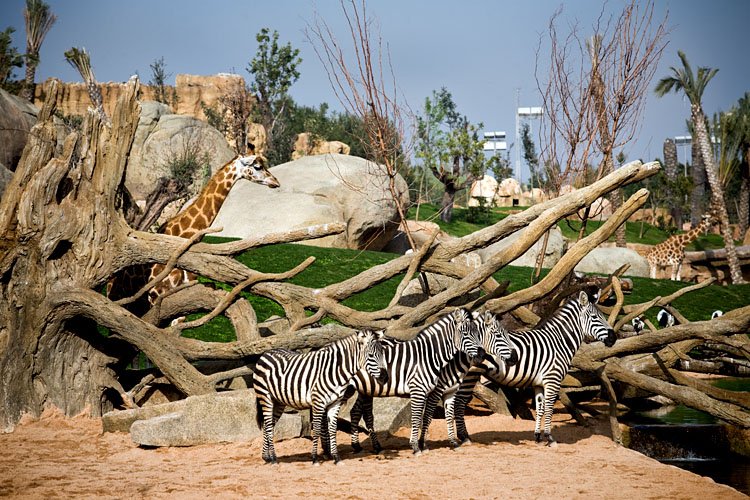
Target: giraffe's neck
202, 212
687, 238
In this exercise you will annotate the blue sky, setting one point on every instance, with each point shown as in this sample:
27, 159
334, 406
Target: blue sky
482, 51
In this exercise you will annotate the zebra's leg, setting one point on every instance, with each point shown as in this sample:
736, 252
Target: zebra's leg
370, 424
325, 438
332, 416
417, 400
550, 395
463, 396
539, 405
449, 403
271, 414
355, 415
317, 422
428, 414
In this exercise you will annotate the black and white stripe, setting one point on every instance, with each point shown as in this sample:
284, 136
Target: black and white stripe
494, 340
316, 380
544, 354
413, 369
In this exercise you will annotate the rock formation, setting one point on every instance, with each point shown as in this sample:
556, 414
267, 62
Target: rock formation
317, 190
306, 145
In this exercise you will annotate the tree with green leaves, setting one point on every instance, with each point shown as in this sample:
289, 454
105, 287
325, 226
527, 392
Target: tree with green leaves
449, 146
9, 56
158, 80
693, 84
39, 20
274, 70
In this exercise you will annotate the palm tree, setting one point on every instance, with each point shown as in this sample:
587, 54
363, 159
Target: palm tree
693, 85
670, 170
742, 114
80, 60
39, 20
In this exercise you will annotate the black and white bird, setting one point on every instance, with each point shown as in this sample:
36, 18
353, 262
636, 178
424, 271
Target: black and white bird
716, 314
638, 324
665, 318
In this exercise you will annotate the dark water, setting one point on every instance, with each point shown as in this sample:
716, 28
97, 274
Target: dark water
691, 440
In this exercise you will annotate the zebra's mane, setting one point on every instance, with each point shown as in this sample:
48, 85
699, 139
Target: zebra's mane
546, 321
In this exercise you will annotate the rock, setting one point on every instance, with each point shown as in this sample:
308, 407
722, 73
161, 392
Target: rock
390, 414
306, 145
482, 188
5, 177
556, 247
162, 135
421, 232
209, 418
533, 196
17, 116
318, 190
601, 210
606, 260
508, 193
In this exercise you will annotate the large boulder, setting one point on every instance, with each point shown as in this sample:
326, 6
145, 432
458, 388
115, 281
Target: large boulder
162, 135
556, 247
210, 418
17, 116
318, 190
482, 188
606, 260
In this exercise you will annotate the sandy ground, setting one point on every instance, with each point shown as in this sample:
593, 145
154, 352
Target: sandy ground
56, 457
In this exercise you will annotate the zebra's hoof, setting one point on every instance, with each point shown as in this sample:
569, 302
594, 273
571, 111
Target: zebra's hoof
316, 463
377, 449
336, 460
356, 447
454, 444
538, 437
466, 441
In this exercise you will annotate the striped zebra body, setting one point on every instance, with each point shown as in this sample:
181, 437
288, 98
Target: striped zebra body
316, 380
545, 354
413, 368
495, 341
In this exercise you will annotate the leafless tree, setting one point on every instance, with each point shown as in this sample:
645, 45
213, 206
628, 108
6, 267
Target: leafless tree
367, 91
594, 92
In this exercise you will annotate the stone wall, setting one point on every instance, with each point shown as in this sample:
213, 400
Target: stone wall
190, 91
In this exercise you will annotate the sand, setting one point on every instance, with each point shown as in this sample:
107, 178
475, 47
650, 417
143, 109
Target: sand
58, 457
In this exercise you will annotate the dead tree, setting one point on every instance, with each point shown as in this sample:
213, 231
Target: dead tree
62, 238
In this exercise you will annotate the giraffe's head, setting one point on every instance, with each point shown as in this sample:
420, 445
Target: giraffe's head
252, 167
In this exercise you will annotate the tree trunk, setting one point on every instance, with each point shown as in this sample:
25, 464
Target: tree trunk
670, 170
698, 170
717, 192
446, 205
28, 85
743, 212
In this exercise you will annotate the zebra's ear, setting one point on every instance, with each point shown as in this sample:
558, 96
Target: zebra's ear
459, 315
379, 334
362, 335
488, 317
583, 298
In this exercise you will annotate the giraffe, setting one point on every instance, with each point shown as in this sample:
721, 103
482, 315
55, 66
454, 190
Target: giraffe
671, 251
195, 217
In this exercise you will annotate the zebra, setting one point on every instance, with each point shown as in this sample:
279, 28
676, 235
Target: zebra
317, 379
494, 340
545, 354
414, 366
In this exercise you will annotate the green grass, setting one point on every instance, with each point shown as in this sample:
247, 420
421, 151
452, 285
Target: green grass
335, 265
460, 226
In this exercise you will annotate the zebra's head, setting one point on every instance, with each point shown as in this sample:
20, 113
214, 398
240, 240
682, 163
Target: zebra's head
372, 350
494, 338
466, 337
592, 322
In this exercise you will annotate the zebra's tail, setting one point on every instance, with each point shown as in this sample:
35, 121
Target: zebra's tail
258, 414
